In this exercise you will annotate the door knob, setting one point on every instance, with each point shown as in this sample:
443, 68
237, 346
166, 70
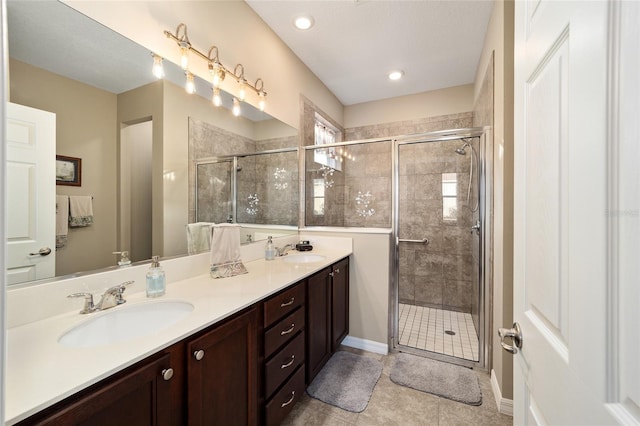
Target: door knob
167, 373
515, 334
198, 355
44, 251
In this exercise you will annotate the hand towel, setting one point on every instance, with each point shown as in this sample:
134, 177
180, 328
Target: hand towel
62, 220
199, 237
80, 210
225, 251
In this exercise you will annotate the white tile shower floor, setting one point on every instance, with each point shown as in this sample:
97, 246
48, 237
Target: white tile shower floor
424, 328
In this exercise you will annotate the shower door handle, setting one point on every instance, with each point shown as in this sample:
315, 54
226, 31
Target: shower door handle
422, 241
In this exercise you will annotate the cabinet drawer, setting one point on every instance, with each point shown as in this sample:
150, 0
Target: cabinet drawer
285, 302
283, 363
283, 331
284, 400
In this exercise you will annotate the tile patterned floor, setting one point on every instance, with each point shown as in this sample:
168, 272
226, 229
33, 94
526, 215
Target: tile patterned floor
391, 404
424, 328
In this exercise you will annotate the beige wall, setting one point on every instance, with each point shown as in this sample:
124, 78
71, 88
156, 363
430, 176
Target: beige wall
451, 100
85, 128
499, 40
241, 36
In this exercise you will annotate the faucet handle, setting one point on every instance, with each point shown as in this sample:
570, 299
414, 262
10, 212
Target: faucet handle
120, 288
88, 302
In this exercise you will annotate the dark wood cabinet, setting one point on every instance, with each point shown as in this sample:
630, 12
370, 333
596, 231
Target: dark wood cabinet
318, 322
222, 385
339, 303
140, 395
327, 315
248, 369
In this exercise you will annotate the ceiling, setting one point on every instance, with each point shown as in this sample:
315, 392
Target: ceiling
354, 44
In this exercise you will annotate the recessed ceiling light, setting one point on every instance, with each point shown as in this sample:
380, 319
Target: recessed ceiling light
396, 75
303, 22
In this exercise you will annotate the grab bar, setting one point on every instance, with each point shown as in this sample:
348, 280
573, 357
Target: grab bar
422, 241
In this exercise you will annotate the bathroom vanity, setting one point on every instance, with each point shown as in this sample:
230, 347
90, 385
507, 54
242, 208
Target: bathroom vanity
249, 365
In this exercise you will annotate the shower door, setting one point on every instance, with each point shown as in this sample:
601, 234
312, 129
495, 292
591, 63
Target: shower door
214, 191
438, 249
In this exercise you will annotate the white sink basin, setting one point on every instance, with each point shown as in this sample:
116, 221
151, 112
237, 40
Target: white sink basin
125, 322
304, 258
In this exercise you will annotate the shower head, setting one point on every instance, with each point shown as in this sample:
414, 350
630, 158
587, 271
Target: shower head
461, 150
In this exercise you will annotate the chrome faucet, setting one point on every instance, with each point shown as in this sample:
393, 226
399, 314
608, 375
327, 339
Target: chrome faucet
283, 251
111, 297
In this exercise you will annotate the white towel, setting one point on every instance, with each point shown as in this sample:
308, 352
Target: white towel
199, 237
80, 210
225, 251
62, 220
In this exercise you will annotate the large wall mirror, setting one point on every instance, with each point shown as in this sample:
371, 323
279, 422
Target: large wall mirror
138, 140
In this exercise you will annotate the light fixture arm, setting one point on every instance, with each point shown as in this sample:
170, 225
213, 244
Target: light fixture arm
182, 40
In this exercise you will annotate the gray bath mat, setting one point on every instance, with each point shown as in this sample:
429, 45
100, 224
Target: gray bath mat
346, 381
438, 378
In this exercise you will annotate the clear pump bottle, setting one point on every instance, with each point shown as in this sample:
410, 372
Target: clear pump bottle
269, 250
156, 280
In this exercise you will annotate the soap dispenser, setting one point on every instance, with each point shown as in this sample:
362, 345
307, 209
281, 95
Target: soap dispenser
269, 250
156, 281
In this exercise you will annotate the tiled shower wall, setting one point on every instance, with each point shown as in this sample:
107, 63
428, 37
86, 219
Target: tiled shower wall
440, 274
277, 204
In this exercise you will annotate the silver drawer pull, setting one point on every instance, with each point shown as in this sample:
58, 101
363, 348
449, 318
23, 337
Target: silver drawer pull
289, 303
287, 365
198, 355
293, 396
289, 330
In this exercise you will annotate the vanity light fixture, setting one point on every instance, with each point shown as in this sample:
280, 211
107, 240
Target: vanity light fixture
396, 75
190, 86
303, 22
158, 69
216, 99
217, 70
241, 81
236, 107
215, 67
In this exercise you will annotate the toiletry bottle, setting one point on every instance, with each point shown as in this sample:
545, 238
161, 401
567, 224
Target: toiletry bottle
270, 250
156, 281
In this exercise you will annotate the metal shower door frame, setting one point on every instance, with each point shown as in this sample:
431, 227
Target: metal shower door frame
485, 273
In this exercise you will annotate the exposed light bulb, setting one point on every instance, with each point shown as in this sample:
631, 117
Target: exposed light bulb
217, 74
190, 86
184, 56
236, 107
217, 99
157, 69
243, 89
262, 102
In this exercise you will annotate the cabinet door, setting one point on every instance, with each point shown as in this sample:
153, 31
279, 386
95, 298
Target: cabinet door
140, 396
222, 385
340, 303
318, 322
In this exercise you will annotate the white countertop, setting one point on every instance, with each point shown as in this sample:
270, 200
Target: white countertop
41, 372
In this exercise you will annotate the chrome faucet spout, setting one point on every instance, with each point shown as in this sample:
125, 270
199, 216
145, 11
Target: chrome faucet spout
283, 251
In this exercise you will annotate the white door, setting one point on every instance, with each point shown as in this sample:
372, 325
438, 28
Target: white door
570, 369
31, 193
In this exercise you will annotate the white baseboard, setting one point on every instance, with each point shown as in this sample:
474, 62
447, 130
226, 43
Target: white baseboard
505, 406
366, 345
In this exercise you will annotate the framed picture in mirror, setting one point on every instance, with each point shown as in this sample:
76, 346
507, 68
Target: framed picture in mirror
68, 171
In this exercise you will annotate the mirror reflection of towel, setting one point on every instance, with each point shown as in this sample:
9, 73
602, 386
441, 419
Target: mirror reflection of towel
199, 237
62, 220
80, 210
225, 251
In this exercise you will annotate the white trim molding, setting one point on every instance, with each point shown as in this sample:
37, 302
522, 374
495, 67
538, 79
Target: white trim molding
505, 406
366, 345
